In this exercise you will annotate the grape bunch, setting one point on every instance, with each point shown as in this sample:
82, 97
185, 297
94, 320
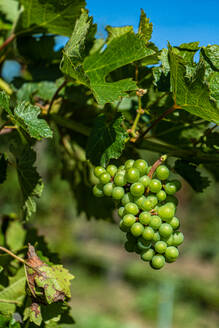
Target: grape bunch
147, 207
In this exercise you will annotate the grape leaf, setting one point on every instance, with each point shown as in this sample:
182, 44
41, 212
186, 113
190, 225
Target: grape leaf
190, 173
15, 236
3, 168
115, 32
51, 16
10, 8
145, 27
44, 90
187, 51
107, 140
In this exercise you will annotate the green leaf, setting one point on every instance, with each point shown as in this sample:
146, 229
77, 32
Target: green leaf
11, 9
44, 90
15, 292
15, 236
211, 54
187, 51
5, 102
33, 313
3, 168
187, 94
57, 17
115, 32
145, 27
107, 140
190, 173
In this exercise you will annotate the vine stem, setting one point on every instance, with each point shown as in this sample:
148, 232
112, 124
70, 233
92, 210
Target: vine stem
55, 95
156, 164
7, 41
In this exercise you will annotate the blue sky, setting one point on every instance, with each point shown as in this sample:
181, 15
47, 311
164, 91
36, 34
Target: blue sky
174, 21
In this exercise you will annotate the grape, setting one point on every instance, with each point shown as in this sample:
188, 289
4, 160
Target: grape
120, 180
111, 169
141, 165
132, 208
144, 218
155, 222
145, 180
121, 211
157, 262
148, 233
143, 244
155, 185
172, 186
165, 230
129, 220
130, 237
129, 164
166, 211
105, 178
123, 227
160, 246
156, 236
153, 200
147, 255
174, 222
162, 172
172, 199
108, 188
177, 184
137, 189
98, 171
169, 240
161, 195
121, 167
132, 175
137, 250
139, 201
137, 229
171, 252
129, 246
178, 238
127, 198
149, 203
118, 193
122, 172
98, 190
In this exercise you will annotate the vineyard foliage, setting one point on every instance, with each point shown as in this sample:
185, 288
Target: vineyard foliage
96, 101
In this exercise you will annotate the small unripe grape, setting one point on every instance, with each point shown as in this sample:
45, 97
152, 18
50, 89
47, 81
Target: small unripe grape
132, 208
129, 164
139, 201
162, 172
145, 218
121, 211
130, 237
147, 255
177, 184
132, 175
172, 187
141, 165
121, 167
118, 193
160, 246
127, 198
171, 252
155, 185
98, 190
129, 246
157, 262
172, 199
98, 171
169, 240
178, 238
166, 211
129, 220
156, 236
161, 195
137, 229
153, 200
155, 222
122, 172
149, 203
119, 180
174, 222
145, 180
165, 230
111, 169
107, 189
148, 233
143, 244
137, 189
105, 178
123, 227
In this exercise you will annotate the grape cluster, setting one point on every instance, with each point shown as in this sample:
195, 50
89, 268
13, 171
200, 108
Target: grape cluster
147, 210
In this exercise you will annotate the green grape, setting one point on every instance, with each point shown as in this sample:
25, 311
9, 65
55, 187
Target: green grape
145, 218
98, 190
166, 211
171, 253
172, 187
121, 172
129, 220
118, 193
169, 240
153, 200
105, 178
139, 201
162, 172
129, 246
98, 171
165, 230
141, 165
148, 233
149, 203
129, 164
160, 246
143, 244
174, 222
157, 262
132, 175
137, 189
147, 255
121, 167
155, 185
145, 180
172, 199
127, 198
156, 236
130, 237
137, 250
119, 180
123, 227
155, 222
111, 169
177, 184
137, 229
108, 188
178, 238
132, 208
161, 195
121, 211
